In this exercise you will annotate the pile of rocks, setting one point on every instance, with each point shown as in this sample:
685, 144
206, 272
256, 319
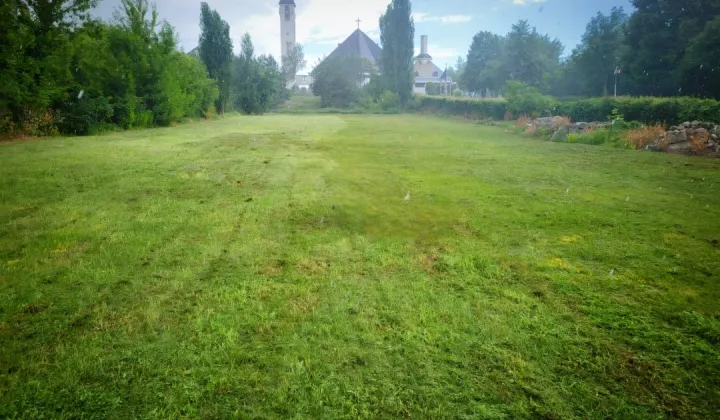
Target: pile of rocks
689, 136
696, 137
560, 127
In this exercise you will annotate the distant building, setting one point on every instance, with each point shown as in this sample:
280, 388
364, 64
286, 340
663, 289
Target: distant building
287, 27
427, 72
303, 81
287, 41
361, 45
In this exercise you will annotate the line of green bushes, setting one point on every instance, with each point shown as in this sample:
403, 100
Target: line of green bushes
470, 108
648, 110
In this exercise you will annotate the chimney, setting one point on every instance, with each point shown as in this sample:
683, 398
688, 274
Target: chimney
423, 44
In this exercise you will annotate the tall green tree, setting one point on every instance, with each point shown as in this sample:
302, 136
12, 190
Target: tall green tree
657, 36
600, 51
529, 57
397, 35
63, 71
337, 80
244, 87
216, 51
17, 70
34, 41
271, 82
700, 68
258, 81
482, 57
455, 71
522, 55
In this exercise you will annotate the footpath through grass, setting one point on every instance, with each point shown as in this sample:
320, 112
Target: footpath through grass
269, 267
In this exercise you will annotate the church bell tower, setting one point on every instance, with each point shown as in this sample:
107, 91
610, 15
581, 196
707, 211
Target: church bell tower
287, 26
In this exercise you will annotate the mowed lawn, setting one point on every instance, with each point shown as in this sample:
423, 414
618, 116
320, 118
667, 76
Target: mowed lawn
271, 267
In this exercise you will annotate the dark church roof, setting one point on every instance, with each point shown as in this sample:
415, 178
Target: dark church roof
287, 2
361, 45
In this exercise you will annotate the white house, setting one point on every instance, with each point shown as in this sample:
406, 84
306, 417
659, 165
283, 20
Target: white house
426, 71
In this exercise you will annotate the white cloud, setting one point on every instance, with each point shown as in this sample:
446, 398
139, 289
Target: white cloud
455, 18
524, 2
427, 17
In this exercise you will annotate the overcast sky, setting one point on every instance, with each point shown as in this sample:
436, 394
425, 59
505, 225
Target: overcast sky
322, 24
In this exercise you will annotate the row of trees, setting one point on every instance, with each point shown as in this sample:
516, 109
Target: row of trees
61, 70
522, 55
246, 82
664, 48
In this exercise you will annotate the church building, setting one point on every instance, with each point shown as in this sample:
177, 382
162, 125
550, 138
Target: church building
359, 44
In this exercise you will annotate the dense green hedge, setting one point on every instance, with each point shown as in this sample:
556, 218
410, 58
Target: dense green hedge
645, 109
470, 108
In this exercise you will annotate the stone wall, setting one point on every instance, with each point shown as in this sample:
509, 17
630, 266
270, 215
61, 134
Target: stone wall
691, 137
696, 137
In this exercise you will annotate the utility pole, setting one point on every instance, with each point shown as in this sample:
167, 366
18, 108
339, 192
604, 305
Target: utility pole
617, 73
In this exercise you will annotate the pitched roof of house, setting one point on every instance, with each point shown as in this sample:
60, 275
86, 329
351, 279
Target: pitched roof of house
358, 43
427, 69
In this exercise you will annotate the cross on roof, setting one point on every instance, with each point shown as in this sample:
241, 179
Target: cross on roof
358, 22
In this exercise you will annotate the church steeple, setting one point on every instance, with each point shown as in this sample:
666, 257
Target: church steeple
287, 26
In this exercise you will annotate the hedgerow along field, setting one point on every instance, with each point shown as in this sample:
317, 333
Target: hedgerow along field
355, 266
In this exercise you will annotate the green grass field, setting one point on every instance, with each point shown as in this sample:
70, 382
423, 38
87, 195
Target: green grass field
270, 267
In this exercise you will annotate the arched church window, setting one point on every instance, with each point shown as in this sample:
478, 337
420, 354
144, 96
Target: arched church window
435, 74
287, 13
417, 74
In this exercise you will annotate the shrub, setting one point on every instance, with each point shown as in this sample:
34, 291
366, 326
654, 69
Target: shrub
469, 108
367, 103
389, 101
641, 137
337, 80
644, 109
524, 99
573, 138
414, 104
7, 125
143, 119
699, 142
432, 88
457, 93
522, 122
80, 116
667, 111
38, 123
595, 137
